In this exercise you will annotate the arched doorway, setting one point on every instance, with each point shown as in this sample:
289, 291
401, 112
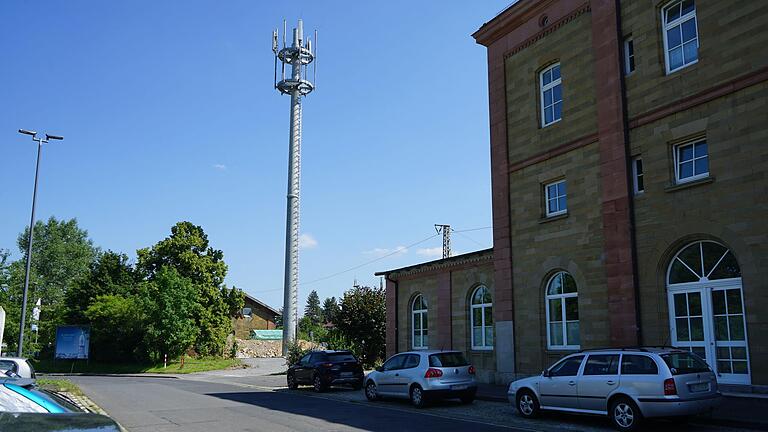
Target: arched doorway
706, 308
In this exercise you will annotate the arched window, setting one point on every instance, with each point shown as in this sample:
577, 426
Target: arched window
562, 312
481, 316
420, 325
702, 262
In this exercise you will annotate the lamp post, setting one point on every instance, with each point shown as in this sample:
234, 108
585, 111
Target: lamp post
40, 142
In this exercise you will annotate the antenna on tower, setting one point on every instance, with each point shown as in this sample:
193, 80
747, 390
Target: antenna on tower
446, 230
298, 56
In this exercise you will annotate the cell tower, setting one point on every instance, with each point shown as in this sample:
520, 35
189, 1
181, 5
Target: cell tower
298, 55
446, 230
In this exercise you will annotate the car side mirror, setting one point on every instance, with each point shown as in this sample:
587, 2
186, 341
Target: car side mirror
380, 369
545, 373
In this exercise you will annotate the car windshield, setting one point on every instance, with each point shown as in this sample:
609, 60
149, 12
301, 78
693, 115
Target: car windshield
684, 363
341, 357
450, 359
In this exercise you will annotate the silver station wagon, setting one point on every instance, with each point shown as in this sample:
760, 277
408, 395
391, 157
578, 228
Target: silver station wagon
423, 375
626, 384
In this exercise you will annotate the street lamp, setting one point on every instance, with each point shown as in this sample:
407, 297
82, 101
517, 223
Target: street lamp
40, 142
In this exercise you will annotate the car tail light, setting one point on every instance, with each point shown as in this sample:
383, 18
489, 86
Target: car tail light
669, 387
433, 373
327, 365
471, 370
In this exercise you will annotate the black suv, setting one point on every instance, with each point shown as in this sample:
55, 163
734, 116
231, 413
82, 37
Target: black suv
322, 369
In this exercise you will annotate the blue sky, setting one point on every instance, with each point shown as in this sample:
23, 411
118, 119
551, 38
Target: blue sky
169, 114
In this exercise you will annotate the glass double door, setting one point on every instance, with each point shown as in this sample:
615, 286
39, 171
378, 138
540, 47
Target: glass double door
709, 321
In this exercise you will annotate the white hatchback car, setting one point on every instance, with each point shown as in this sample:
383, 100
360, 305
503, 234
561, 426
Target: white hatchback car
423, 375
625, 384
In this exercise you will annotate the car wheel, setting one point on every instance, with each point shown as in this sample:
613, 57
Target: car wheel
371, 392
467, 398
318, 385
527, 404
625, 415
292, 384
418, 398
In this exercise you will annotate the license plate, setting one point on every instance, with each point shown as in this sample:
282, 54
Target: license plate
459, 387
702, 387
346, 374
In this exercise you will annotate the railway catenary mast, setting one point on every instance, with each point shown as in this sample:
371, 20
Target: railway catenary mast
298, 56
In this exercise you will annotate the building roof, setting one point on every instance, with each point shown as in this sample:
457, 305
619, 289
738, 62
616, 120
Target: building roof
261, 303
518, 12
467, 258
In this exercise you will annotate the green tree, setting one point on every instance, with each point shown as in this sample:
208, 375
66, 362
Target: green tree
117, 327
330, 309
169, 304
61, 254
110, 274
187, 250
279, 319
362, 321
312, 310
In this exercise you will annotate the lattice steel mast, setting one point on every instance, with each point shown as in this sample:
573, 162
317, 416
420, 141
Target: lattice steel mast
298, 55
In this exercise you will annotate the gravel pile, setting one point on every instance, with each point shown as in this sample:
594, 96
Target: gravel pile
250, 348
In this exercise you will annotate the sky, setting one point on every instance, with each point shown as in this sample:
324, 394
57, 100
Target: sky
168, 113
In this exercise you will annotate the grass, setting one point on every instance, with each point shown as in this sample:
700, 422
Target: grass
59, 385
174, 367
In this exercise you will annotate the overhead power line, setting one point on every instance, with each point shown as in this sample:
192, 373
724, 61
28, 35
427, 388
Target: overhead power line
395, 252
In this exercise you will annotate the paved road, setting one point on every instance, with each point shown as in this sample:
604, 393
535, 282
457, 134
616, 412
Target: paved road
243, 400
143, 404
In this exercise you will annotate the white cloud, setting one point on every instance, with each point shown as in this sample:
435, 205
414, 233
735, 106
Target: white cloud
220, 167
306, 241
380, 252
435, 252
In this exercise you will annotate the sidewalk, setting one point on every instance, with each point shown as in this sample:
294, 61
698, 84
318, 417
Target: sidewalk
748, 410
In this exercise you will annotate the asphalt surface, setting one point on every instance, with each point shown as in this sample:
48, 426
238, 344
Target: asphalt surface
166, 404
246, 400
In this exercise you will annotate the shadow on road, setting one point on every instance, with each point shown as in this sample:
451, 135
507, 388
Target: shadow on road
360, 416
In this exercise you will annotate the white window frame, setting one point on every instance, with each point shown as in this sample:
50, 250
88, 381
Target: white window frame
627, 56
483, 345
547, 199
549, 297
676, 155
543, 88
636, 176
419, 314
675, 23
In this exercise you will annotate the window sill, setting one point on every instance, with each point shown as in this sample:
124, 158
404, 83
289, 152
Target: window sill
686, 185
481, 349
546, 219
561, 350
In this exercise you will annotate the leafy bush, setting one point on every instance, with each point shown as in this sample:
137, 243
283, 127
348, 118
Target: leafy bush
295, 353
117, 327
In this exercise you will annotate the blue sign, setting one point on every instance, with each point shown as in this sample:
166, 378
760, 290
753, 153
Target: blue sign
72, 342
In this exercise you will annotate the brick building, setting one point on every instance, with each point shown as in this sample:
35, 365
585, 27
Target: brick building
630, 180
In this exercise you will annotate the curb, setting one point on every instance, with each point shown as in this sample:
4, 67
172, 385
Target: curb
59, 374
490, 398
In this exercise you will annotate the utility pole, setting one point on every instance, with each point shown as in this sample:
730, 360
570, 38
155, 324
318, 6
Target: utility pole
298, 55
40, 142
446, 230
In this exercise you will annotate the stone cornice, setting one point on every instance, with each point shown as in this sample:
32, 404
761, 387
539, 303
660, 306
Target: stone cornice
458, 261
548, 30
